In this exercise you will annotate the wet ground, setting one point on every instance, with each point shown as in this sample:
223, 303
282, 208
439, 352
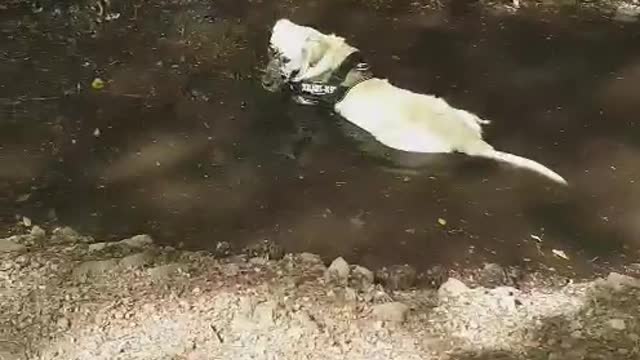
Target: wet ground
182, 142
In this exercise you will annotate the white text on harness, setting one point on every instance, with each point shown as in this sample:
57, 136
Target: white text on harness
318, 89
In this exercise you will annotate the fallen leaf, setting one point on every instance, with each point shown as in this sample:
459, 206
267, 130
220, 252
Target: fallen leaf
97, 84
560, 254
23, 197
536, 238
442, 221
26, 221
96, 132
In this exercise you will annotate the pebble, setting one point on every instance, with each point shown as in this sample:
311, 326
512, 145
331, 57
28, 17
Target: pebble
617, 324
397, 277
338, 271
310, 258
136, 260
264, 313
395, 312
164, 272
492, 275
98, 246
451, 288
138, 241
63, 323
37, 233
362, 277
90, 268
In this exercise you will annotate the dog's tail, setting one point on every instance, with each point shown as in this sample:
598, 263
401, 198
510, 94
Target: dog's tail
521, 162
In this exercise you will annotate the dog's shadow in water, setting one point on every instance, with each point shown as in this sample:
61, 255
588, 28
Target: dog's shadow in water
407, 163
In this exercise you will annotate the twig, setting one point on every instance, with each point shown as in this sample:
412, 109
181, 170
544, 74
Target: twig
217, 333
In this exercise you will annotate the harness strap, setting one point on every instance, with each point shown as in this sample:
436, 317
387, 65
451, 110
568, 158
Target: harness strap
333, 90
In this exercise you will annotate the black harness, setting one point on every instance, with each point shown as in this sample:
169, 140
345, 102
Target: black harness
333, 90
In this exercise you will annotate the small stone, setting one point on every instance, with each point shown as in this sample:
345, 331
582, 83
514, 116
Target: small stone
138, 241
37, 233
361, 277
98, 246
164, 272
63, 323
617, 324
338, 271
264, 313
395, 312
397, 277
451, 288
92, 268
310, 258
136, 260
267, 249
7, 245
492, 275
66, 235
258, 261
223, 249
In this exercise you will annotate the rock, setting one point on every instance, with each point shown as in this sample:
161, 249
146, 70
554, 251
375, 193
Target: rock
223, 249
63, 323
395, 312
397, 277
434, 277
138, 241
451, 288
361, 277
98, 246
264, 313
258, 261
164, 272
137, 260
617, 324
267, 249
338, 271
92, 268
618, 282
492, 275
8, 245
37, 233
67, 235
309, 258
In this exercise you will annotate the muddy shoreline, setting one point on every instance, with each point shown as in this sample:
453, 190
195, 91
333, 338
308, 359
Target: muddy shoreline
70, 297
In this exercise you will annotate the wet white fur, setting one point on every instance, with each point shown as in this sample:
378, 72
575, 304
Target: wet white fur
398, 118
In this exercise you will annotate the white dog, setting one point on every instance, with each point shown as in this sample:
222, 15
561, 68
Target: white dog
308, 61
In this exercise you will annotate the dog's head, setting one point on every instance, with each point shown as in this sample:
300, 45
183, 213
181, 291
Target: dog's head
293, 49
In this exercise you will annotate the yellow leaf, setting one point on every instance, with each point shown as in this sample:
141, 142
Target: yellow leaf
97, 84
442, 221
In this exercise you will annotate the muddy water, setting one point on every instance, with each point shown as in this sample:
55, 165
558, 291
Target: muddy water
182, 142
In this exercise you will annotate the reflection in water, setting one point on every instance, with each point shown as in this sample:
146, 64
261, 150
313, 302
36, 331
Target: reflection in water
191, 149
